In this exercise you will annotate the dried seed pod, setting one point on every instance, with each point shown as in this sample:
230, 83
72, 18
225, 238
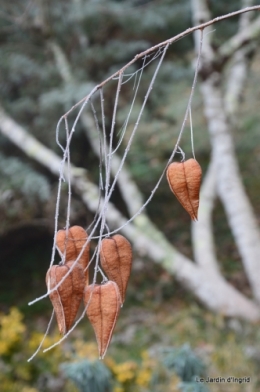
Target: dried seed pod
67, 297
184, 180
103, 305
116, 261
73, 244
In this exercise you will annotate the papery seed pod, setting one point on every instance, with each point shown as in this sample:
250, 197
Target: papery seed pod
184, 180
73, 244
103, 305
67, 297
116, 261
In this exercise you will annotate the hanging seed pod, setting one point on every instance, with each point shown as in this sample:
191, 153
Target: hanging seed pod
184, 180
103, 305
67, 297
72, 245
116, 261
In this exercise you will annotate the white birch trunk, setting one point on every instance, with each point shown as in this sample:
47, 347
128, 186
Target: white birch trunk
202, 231
229, 184
210, 288
238, 72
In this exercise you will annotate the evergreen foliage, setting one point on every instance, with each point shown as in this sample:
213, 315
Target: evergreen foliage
192, 387
89, 376
184, 362
97, 37
186, 365
20, 177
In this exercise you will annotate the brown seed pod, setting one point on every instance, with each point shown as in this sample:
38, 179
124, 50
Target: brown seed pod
67, 297
103, 305
184, 180
116, 261
73, 245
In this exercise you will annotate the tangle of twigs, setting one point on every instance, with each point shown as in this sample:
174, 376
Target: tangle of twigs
99, 229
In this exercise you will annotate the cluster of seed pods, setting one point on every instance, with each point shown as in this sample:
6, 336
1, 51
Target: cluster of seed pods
102, 301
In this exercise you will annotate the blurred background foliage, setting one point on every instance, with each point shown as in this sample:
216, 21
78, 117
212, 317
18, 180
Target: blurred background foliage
98, 37
141, 362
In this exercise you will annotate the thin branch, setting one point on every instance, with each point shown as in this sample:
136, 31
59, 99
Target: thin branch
201, 14
245, 19
239, 40
69, 188
43, 339
163, 44
130, 193
108, 174
214, 292
136, 87
136, 125
177, 142
89, 128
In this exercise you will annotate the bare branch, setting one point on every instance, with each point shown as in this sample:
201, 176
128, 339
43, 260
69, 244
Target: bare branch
147, 240
245, 18
208, 285
239, 40
201, 14
170, 41
130, 193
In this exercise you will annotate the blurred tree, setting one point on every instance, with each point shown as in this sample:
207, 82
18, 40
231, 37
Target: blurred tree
52, 54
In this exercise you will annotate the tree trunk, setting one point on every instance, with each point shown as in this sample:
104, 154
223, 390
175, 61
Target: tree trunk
209, 287
229, 184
